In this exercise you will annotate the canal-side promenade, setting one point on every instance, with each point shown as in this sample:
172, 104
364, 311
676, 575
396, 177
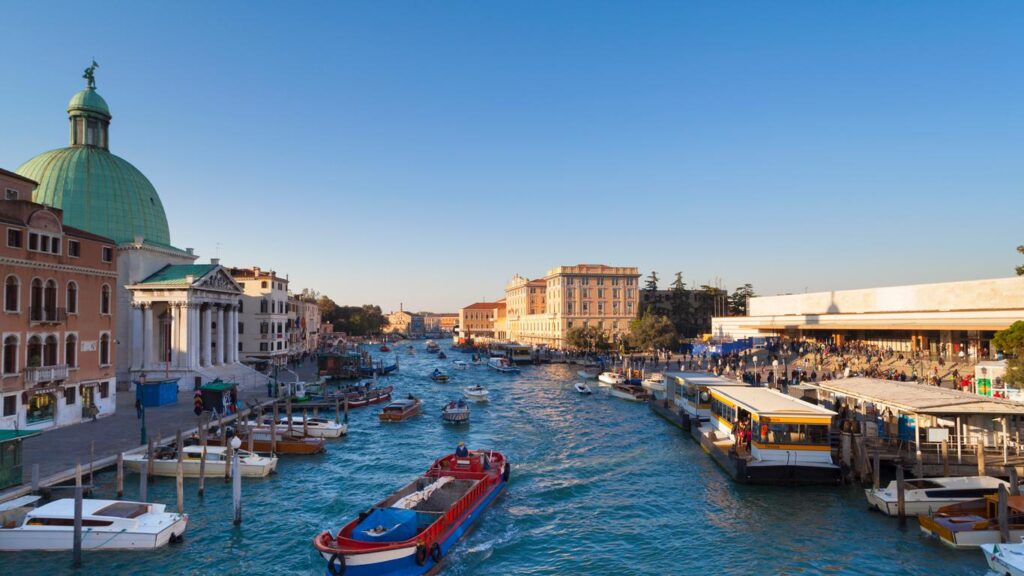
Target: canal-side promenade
56, 452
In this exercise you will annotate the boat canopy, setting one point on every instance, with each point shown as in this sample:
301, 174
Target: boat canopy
764, 402
389, 525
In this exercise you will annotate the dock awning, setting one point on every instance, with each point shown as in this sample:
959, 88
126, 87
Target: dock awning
10, 435
921, 398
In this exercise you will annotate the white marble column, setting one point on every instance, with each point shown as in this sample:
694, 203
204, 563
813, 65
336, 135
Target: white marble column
175, 343
222, 330
237, 340
147, 335
136, 336
207, 321
232, 335
193, 336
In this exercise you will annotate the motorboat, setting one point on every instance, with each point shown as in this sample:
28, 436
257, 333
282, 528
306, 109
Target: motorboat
475, 358
384, 348
455, 412
165, 462
314, 425
582, 388
610, 379
438, 376
412, 530
431, 347
628, 392
106, 525
926, 495
401, 410
503, 365
477, 393
586, 374
460, 364
1005, 559
974, 522
654, 382
442, 356
263, 440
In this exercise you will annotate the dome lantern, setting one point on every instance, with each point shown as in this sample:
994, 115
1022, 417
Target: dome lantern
89, 114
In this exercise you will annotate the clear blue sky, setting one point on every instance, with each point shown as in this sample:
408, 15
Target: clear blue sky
423, 152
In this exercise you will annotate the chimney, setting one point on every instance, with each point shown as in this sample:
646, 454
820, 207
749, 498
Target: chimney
190, 250
215, 261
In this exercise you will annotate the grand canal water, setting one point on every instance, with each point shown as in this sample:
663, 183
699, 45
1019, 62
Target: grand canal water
599, 487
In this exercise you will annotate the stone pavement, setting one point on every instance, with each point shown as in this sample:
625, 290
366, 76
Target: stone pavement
57, 451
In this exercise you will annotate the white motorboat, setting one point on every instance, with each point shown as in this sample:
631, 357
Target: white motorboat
503, 365
582, 388
460, 364
477, 393
655, 382
926, 495
610, 379
106, 525
1005, 559
455, 412
586, 374
165, 462
315, 426
627, 392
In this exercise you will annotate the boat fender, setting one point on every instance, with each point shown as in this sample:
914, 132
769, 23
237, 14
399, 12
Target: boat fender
336, 569
421, 554
435, 552
506, 472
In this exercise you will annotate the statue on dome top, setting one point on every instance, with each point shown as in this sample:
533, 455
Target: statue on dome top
89, 75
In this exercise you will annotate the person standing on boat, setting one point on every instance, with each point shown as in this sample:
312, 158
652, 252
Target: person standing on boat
461, 451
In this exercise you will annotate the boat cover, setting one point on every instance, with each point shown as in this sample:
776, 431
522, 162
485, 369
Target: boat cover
387, 525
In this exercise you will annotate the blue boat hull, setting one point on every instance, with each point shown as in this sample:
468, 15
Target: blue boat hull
406, 564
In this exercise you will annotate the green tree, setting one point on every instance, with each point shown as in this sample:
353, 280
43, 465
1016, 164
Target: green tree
652, 331
1020, 269
652, 282
739, 299
587, 339
1011, 342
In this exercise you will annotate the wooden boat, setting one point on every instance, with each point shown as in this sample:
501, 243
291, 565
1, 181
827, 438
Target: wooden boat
477, 393
460, 365
439, 376
106, 525
654, 382
411, 531
293, 443
503, 365
582, 388
455, 412
631, 393
926, 495
975, 522
165, 462
1005, 559
401, 410
314, 426
431, 347
610, 379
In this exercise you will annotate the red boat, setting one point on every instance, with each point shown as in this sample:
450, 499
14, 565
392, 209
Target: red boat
411, 531
384, 348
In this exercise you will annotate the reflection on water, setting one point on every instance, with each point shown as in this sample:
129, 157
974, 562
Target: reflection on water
599, 487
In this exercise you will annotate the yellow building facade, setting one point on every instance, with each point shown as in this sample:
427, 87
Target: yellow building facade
482, 322
542, 311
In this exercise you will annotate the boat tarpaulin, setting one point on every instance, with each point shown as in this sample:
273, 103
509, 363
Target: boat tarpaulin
387, 525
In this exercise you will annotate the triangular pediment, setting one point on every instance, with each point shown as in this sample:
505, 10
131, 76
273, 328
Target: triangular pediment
218, 279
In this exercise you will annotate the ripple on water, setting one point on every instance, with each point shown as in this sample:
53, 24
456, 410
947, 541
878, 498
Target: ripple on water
599, 487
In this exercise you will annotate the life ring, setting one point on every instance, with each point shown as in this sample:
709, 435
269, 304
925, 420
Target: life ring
506, 472
435, 552
340, 568
421, 554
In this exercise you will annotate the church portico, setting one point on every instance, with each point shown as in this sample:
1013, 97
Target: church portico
184, 321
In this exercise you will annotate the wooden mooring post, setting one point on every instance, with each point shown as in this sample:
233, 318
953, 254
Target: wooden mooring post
149, 460
120, 474
92, 460
203, 432
288, 413
227, 463
337, 411
876, 471
1014, 481
979, 451
179, 482
901, 500
945, 458
35, 478
305, 422
1003, 515
76, 545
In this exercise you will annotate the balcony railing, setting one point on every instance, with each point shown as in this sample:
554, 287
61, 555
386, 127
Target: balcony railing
37, 374
45, 315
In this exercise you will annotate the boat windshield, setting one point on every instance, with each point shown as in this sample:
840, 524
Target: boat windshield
123, 510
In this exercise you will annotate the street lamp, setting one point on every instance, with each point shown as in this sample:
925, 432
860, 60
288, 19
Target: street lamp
775, 372
754, 358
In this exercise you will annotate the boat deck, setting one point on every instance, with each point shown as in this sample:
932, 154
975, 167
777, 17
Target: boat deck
444, 497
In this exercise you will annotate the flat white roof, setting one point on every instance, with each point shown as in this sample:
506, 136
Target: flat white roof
920, 398
703, 379
767, 402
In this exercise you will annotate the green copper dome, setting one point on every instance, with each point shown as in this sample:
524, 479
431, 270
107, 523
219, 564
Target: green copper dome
89, 100
98, 191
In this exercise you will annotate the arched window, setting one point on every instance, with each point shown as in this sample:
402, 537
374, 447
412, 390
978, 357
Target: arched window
12, 288
105, 300
105, 350
72, 304
10, 354
71, 350
50, 295
239, 306
35, 300
35, 352
50, 351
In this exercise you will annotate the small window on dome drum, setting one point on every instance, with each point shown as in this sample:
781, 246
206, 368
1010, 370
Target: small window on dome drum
11, 194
